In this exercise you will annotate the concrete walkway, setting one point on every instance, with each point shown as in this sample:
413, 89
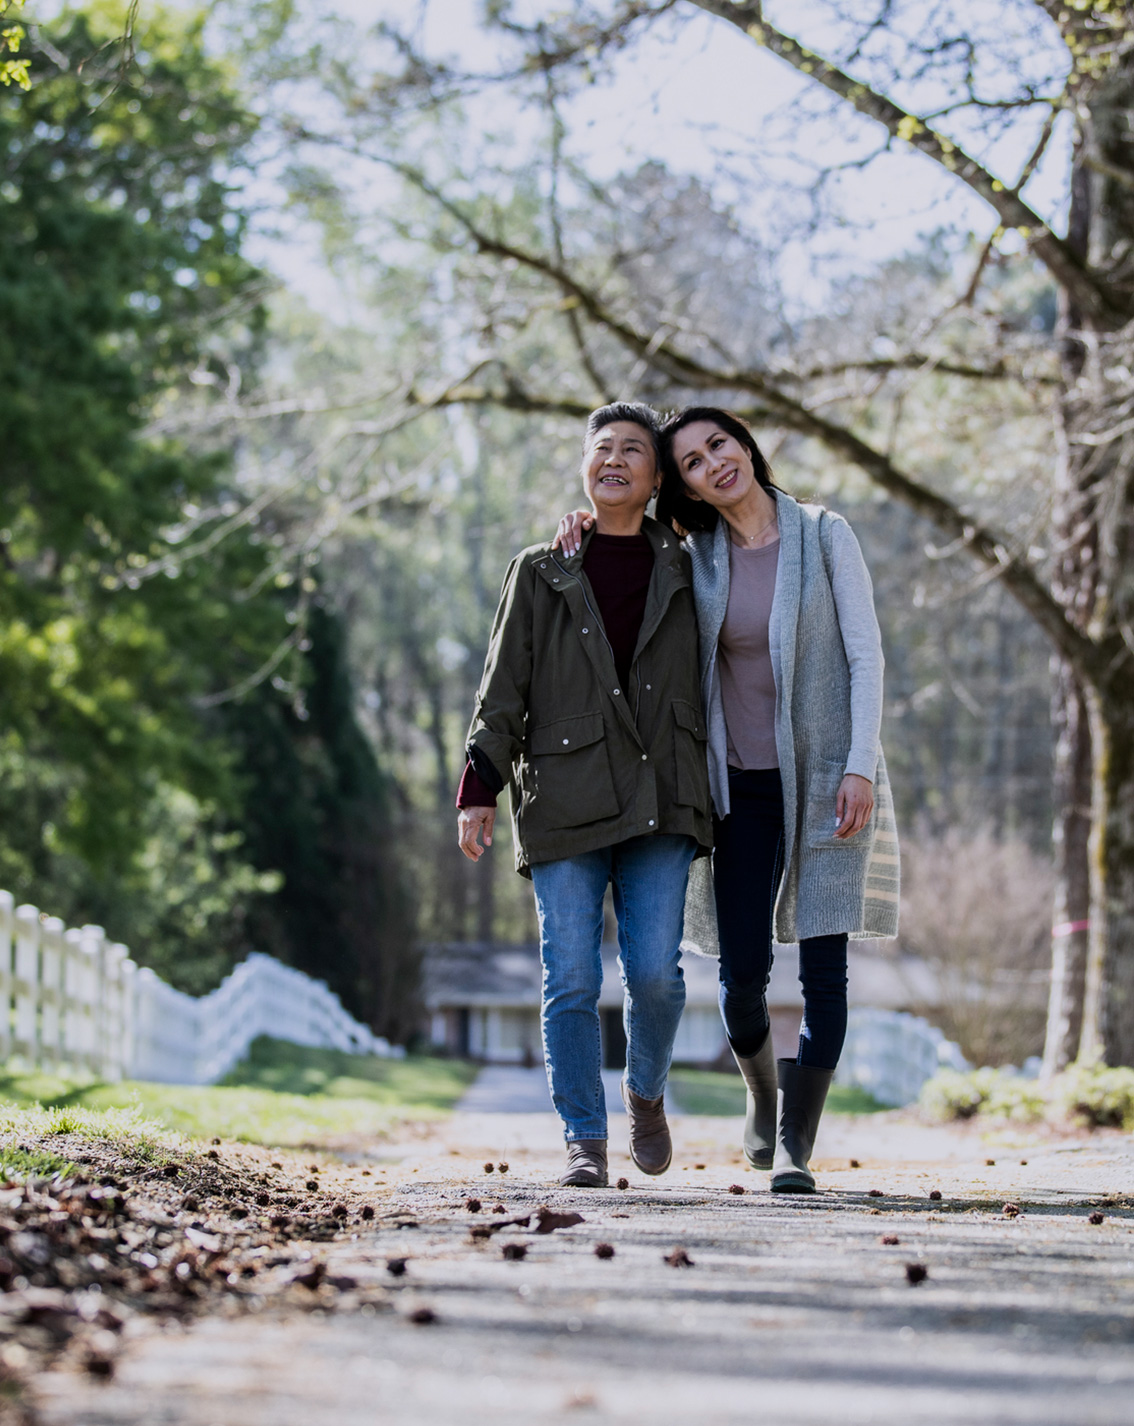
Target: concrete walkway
511, 1089
794, 1310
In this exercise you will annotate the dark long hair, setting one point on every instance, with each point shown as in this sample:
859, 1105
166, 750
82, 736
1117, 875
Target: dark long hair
675, 506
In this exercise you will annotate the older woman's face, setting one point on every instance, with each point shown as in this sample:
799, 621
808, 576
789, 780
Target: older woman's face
619, 467
714, 465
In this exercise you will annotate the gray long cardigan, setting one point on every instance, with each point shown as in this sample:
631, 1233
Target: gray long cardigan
828, 886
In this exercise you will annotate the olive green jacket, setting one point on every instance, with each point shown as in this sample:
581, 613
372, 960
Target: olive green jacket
589, 763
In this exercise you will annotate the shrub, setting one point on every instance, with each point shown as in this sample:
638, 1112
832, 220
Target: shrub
1099, 1097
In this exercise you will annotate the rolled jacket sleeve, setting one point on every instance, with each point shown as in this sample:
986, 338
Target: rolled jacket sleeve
500, 717
862, 641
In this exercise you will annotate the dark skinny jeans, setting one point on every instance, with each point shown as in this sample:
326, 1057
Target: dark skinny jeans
748, 863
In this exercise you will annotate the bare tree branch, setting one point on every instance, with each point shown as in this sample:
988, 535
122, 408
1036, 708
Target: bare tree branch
1057, 255
985, 544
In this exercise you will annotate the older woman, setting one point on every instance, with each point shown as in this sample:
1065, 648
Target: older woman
589, 709
804, 841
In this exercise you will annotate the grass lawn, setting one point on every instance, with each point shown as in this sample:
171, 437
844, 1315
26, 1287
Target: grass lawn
709, 1092
282, 1095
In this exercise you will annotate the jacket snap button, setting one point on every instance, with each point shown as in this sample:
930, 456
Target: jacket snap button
566, 741
617, 691
645, 758
586, 631
543, 565
649, 686
650, 823
555, 580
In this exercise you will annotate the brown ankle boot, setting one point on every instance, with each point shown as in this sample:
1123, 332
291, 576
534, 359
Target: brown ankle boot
586, 1164
650, 1145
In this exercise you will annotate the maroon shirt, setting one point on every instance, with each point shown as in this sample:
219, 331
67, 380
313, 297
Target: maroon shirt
619, 569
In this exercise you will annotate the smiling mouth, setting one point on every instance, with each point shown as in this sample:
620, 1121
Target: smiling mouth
726, 480
613, 480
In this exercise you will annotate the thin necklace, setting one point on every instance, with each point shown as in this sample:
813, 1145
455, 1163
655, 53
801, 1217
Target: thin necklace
759, 532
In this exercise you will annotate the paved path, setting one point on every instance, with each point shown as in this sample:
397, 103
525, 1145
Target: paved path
511, 1089
794, 1310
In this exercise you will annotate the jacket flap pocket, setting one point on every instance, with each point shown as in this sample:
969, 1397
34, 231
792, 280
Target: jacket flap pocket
565, 735
688, 717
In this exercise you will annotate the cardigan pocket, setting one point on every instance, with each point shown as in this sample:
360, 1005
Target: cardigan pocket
572, 781
823, 788
691, 769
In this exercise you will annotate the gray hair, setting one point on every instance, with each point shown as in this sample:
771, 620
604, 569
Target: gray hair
636, 412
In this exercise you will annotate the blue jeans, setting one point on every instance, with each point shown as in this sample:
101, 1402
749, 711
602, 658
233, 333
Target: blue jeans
648, 875
748, 863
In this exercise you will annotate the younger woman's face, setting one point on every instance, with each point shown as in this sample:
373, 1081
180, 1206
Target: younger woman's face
714, 465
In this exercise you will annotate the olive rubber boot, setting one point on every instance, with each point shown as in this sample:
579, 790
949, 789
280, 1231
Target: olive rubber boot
586, 1164
650, 1145
804, 1090
759, 1072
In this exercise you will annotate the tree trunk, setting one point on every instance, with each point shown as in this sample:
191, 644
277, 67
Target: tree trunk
1070, 836
1074, 585
1108, 1010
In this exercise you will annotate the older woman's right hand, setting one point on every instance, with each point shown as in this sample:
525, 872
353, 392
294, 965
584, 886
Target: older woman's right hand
471, 822
569, 535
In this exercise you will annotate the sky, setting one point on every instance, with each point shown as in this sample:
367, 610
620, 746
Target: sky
696, 94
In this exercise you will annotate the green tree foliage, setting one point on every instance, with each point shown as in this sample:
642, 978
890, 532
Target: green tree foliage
14, 69
119, 249
318, 808
137, 598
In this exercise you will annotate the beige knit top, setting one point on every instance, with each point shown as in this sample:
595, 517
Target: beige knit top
748, 687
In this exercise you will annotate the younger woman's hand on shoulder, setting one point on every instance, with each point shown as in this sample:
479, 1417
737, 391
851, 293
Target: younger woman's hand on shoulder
854, 802
569, 535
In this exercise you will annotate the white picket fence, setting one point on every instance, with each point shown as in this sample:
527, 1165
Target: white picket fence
891, 1054
72, 1000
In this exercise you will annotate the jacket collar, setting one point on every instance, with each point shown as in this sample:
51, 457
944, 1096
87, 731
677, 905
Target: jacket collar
668, 557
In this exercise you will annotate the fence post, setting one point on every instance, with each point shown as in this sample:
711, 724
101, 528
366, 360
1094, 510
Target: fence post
129, 1016
26, 984
7, 927
90, 943
52, 949
112, 1018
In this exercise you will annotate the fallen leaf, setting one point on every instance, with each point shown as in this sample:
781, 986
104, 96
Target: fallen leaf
1096, 1218
736, 1188
422, 1316
679, 1258
473, 1205
915, 1273
935, 1194
547, 1220
1011, 1210
604, 1250
623, 1183
513, 1252
889, 1240
396, 1267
